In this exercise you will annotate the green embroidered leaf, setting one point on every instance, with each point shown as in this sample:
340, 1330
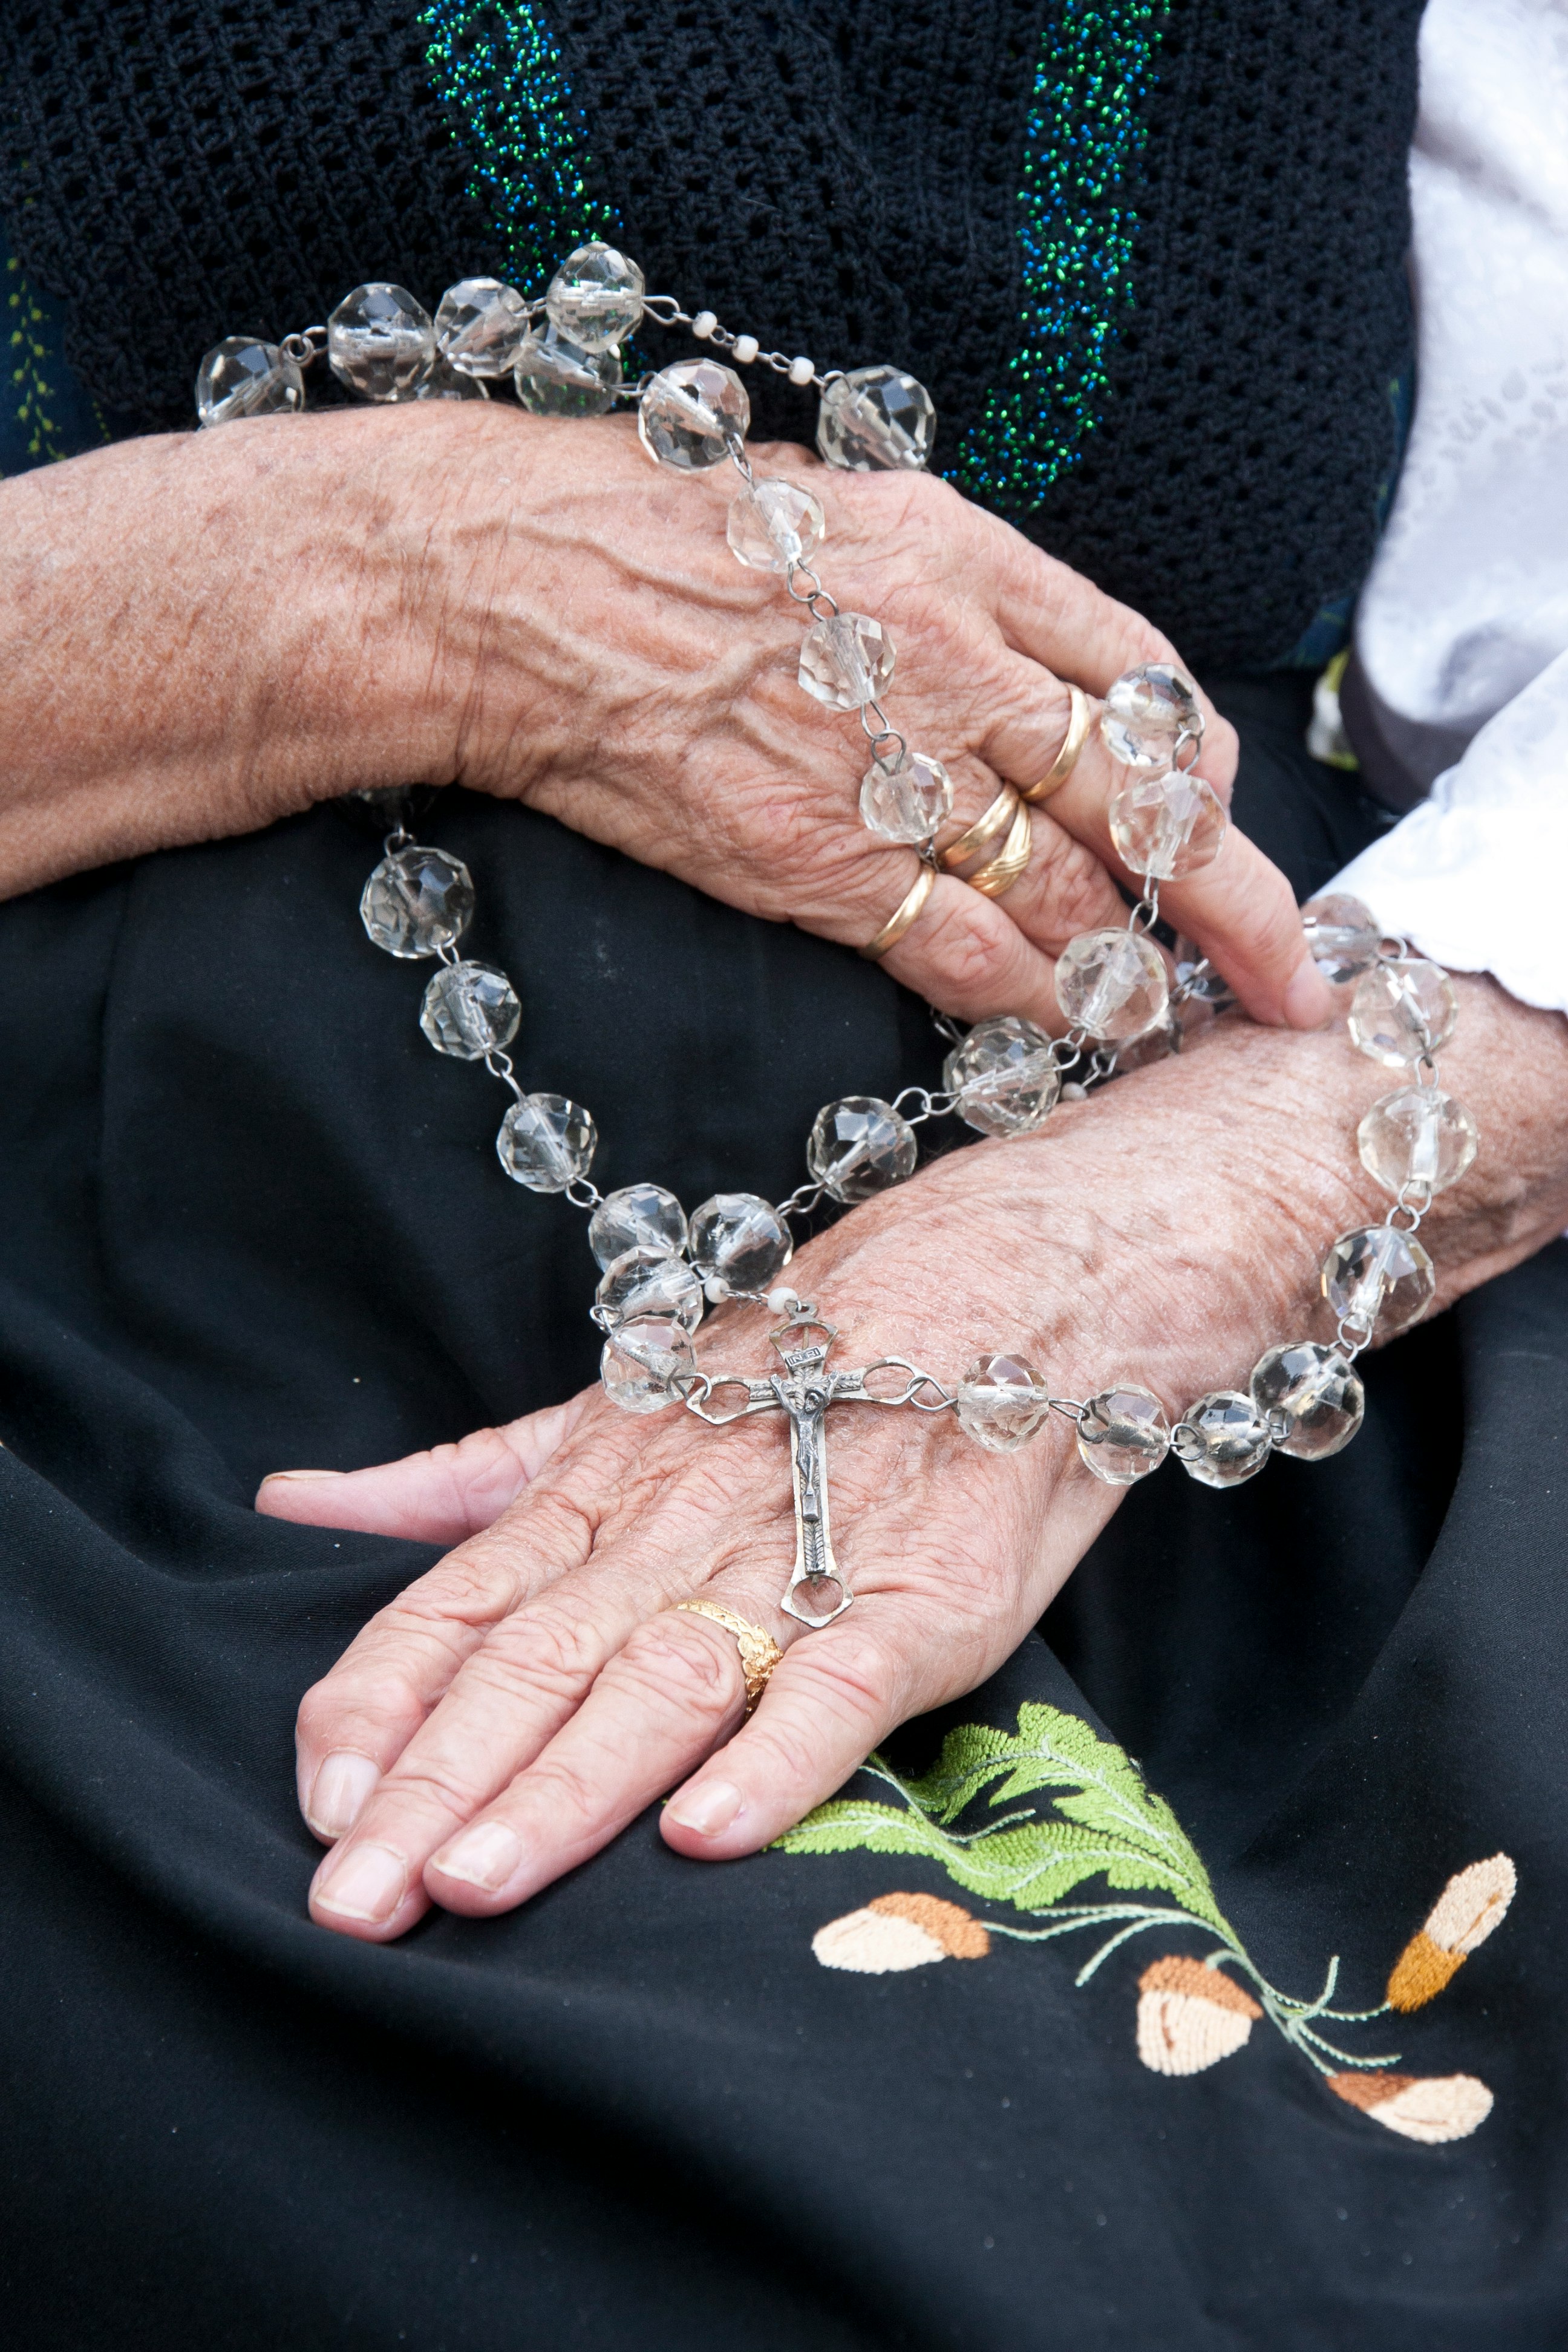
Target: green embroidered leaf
1109, 1825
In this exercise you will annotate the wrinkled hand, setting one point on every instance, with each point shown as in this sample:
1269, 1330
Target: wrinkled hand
518, 1705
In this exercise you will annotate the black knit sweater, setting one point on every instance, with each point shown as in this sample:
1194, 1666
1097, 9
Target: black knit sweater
1201, 418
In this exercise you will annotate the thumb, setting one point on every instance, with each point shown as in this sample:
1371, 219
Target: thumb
439, 1497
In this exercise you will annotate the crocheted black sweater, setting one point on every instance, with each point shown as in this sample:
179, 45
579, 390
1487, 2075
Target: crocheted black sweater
1148, 255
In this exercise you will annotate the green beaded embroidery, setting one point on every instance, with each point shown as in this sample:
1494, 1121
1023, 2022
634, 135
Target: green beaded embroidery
1077, 225
497, 71
27, 390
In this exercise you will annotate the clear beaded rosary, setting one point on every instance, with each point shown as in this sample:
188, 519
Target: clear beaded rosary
1005, 1075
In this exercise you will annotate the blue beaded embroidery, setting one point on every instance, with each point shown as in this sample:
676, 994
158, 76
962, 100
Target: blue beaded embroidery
1077, 227
497, 70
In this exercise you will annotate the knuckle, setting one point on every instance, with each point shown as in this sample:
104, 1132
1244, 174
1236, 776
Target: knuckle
975, 959
1075, 887
673, 1663
543, 1649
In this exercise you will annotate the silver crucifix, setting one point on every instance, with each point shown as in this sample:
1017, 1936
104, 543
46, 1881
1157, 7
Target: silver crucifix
817, 1591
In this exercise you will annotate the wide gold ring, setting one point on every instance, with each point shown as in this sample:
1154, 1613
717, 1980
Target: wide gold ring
902, 915
1066, 761
1010, 860
1001, 815
760, 1654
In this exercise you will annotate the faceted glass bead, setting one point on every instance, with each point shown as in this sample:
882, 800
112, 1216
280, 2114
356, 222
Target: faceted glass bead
242, 377
906, 802
1207, 986
875, 419
1156, 1045
546, 1142
739, 1241
1123, 1435
596, 297
1167, 825
775, 524
557, 378
1316, 1391
1417, 1136
847, 661
469, 1010
1402, 1011
1378, 1276
1002, 1401
1005, 1075
443, 382
1147, 710
640, 1365
1113, 983
417, 900
639, 1216
380, 342
693, 414
1342, 936
1227, 1442
479, 327
650, 1282
859, 1146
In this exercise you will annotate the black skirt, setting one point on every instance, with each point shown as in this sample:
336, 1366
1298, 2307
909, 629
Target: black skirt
850, 2095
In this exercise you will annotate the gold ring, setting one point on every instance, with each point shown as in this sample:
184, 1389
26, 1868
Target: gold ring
760, 1654
1066, 761
1002, 813
1010, 860
902, 915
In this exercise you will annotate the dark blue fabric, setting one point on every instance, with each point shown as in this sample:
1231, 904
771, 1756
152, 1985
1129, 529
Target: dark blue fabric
45, 411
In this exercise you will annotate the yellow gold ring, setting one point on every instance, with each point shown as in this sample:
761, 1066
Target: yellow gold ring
1010, 860
1001, 814
902, 915
760, 1654
1066, 761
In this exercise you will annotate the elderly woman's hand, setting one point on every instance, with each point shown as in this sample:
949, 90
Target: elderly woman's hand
288, 608
522, 1702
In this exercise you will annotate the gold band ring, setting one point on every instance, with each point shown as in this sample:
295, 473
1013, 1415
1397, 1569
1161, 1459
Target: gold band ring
902, 915
760, 1654
1010, 860
1001, 813
1066, 761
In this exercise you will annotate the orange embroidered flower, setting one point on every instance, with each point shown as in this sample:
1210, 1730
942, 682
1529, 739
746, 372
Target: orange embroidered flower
1472, 1904
900, 1931
1190, 2016
1427, 2107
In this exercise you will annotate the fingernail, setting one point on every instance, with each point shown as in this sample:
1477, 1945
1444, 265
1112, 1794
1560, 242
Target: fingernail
366, 1882
275, 1477
339, 1793
485, 1855
1308, 1000
708, 1808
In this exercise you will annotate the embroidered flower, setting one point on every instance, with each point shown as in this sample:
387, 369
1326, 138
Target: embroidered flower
1190, 2016
1472, 1904
900, 1931
1427, 2107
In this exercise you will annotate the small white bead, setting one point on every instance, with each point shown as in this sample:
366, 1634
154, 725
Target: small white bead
801, 371
781, 1302
746, 348
703, 324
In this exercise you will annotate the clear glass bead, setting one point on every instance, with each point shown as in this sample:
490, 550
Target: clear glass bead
1002, 1401
1226, 1439
859, 1146
739, 1241
1342, 936
469, 1010
774, 523
875, 419
417, 900
1167, 825
479, 327
1005, 1075
596, 297
1147, 711
1113, 984
1123, 1435
557, 378
1378, 1276
546, 1142
847, 661
1156, 1045
1403, 1011
641, 1283
241, 377
639, 1216
639, 1367
906, 802
1204, 985
1417, 1136
443, 382
380, 342
1317, 1392
693, 414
